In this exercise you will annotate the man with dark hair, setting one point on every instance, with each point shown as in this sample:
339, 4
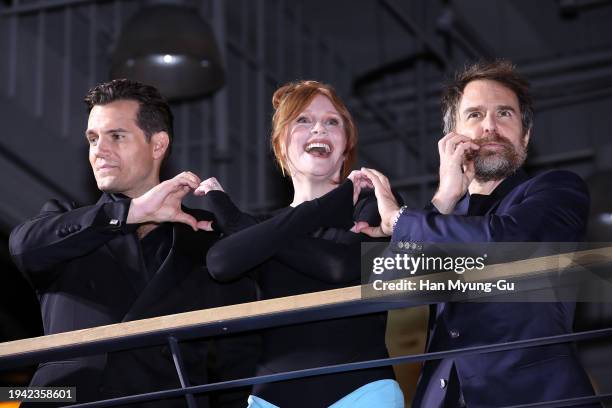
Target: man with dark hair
135, 254
484, 196
154, 114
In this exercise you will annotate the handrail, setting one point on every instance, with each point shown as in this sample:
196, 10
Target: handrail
310, 372
277, 312
234, 318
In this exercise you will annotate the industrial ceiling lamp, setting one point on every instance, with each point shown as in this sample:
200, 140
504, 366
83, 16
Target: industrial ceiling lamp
171, 47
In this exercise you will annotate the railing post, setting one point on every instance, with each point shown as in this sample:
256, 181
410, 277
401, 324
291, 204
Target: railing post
180, 370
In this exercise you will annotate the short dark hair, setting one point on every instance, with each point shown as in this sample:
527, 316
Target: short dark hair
154, 114
501, 71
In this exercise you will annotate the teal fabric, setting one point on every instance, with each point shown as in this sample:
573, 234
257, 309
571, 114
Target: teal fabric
256, 402
382, 393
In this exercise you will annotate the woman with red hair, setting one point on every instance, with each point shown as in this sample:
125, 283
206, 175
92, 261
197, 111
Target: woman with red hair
307, 247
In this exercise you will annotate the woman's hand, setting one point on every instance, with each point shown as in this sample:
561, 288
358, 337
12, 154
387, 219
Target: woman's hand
207, 185
360, 181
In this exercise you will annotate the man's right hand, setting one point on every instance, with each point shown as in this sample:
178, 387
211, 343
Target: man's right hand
456, 173
162, 203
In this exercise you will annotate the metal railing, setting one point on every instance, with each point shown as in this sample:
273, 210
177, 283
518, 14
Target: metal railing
282, 311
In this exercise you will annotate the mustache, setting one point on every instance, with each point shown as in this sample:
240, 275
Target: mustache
492, 138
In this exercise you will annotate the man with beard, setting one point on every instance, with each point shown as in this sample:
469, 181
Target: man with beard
484, 196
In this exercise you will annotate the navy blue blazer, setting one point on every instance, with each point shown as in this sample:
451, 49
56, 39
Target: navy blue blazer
551, 207
86, 266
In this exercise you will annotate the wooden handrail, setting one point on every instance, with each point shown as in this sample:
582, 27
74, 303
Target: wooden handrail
311, 301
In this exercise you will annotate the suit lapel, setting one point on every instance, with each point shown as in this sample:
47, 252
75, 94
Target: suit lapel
125, 250
174, 268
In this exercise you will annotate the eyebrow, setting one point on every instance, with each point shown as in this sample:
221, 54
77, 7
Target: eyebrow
506, 107
481, 108
116, 130
328, 112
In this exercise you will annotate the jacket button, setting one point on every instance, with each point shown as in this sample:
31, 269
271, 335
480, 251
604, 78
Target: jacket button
443, 383
72, 228
454, 334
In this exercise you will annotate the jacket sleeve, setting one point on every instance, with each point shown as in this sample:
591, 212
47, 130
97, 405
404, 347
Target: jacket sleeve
553, 207
228, 218
62, 232
247, 248
336, 260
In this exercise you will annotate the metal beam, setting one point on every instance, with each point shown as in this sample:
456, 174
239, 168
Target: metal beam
409, 24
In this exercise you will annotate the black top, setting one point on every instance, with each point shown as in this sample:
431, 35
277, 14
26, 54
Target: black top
155, 248
480, 204
300, 250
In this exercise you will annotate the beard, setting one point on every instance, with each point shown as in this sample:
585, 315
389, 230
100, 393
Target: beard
490, 165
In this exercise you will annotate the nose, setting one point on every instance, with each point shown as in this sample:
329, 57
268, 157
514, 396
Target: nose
318, 127
489, 124
101, 148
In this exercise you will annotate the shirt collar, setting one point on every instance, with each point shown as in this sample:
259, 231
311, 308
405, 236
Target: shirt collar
509, 183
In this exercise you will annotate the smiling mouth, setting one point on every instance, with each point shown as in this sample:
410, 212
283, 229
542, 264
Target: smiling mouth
318, 149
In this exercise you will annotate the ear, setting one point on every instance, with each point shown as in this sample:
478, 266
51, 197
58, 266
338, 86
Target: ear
526, 137
160, 142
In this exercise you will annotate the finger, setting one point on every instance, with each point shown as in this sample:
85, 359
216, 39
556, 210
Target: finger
374, 178
380, 176
356, 192
384, 196
180, 193
374, 232
442, 142
200, 191
462, 148
204, 225
211, 184
186, 219
359, 225
366, 183
454, 142
354, 175
210, 180
363, 179
185, 180
191, 176
446, 144
167, 187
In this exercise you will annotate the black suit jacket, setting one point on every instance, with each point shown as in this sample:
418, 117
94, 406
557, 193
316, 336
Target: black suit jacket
87, 269
551, 207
